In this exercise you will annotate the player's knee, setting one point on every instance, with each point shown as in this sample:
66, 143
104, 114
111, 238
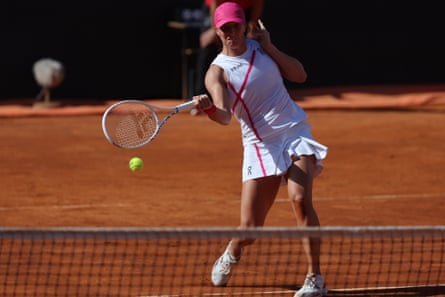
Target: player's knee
302, 205
297, 199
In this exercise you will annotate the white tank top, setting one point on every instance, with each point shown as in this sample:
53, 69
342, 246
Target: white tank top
260, 100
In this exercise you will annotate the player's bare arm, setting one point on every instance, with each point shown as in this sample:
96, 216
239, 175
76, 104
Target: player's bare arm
216, 85
290, 68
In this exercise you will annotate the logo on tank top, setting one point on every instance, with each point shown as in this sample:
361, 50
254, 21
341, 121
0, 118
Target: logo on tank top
234, 68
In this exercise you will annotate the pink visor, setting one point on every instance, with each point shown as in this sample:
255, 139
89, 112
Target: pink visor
228, 12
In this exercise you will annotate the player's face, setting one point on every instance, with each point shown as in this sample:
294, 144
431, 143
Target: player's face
232, 35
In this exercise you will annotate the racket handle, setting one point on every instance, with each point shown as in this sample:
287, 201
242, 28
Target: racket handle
186, 105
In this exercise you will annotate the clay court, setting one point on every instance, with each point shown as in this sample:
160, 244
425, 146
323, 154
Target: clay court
385, 165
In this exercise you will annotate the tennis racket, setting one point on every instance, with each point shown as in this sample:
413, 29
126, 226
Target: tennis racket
131, 124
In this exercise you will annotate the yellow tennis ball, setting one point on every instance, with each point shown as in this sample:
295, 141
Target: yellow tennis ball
136, 164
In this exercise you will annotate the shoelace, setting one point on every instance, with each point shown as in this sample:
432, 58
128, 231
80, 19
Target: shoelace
311, 282
224, 267
225, 264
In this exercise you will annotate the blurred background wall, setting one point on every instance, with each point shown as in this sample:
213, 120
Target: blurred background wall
113, 49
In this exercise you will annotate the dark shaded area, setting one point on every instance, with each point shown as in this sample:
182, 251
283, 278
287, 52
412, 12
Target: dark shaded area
114, 49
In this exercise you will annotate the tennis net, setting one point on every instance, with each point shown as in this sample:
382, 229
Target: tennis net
355, 261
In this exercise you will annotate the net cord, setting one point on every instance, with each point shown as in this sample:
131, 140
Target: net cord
218, 232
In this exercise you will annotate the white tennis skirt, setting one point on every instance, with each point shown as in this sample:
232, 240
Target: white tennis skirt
275, 157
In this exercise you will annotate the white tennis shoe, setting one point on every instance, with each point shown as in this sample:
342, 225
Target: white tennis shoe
313, 287
222, 269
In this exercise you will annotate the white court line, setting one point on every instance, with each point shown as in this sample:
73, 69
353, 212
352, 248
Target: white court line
280, 200
338, 290
373, 197
384, 288
64, 206
231, 294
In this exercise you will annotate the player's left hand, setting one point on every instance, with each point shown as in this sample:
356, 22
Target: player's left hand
262, 35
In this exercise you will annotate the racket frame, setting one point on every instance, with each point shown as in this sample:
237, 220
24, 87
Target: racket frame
173, 110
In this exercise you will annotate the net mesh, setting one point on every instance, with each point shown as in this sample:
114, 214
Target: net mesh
355, 261
131, 124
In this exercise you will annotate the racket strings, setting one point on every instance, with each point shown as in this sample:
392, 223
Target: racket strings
131, 126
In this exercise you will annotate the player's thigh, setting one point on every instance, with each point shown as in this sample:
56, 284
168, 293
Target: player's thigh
257, 198
300, 178
302, 169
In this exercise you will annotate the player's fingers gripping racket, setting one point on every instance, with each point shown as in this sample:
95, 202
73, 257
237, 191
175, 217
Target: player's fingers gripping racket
133, 123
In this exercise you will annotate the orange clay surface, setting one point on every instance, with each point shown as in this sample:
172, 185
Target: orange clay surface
386, 165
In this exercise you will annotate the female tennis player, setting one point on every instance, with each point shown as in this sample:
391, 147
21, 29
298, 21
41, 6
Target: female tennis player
246, 80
